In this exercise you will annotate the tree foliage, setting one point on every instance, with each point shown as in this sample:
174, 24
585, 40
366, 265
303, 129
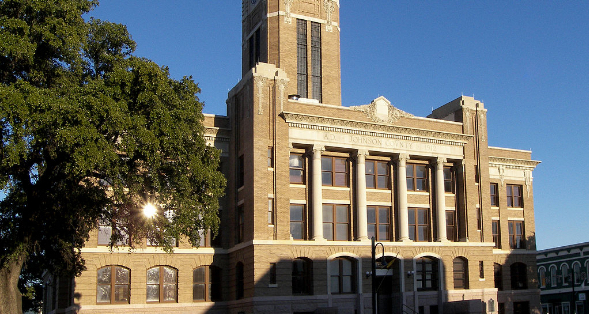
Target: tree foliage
90, 132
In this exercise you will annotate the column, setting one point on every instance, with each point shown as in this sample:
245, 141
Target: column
441, 199
361, 195
316, 186
402, 194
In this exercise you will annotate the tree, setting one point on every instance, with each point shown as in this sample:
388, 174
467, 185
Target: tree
90, 132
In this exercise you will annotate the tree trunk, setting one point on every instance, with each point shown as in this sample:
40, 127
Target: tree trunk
11, 300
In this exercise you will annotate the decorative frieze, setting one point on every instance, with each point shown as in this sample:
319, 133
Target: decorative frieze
287, 9
329, 9
260, 81
381, 111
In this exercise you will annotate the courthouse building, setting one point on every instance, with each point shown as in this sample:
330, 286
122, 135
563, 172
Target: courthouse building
311, 181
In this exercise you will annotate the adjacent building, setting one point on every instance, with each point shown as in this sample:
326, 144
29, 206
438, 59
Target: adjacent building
310, 182
562, 276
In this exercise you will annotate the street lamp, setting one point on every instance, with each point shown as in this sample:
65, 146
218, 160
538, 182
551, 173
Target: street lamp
374, 244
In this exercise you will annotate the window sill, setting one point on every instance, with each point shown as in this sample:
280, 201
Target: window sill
297, 185
418, 192
341, 188
273, 285
515, 208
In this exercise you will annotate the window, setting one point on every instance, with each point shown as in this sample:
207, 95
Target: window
564, 271
297, 221
416, 177
162, 284
296, 165
481, 270
498, 276
302, 276
519, 276
239, 281
479, 219
566, 308
336, 222
494, 194
377, 174
451, 225
316, 60
522, 307
516, 234
553, 276
334, 171
240, 172
206, 283
419, 224
270, 211
113, 284
542, 276
302, 58
272, 273
379, 222
270, 157
239, 224
496, 233
426, 274
254, 48
448, 180
577, 273
342, 276
460, 265
105, 233
514, 196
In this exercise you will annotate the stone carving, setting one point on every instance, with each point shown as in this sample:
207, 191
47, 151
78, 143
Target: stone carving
440, 161
287, 7
329, 8
501, 169
304, 121
281, 87
528, 179
381, 111
467, 123
482, 116
260, 81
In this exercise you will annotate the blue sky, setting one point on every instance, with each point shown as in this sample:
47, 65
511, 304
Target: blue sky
528, 61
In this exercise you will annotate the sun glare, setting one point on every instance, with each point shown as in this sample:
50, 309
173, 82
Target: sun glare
149, 210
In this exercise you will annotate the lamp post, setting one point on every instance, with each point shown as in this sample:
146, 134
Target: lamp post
374, 244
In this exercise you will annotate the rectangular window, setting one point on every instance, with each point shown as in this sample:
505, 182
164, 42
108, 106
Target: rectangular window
297, 168
516, 234
206, 284
416, 177
272, 273
239, 224
270, 211
378, 174
334, 171
481, 270
419, 224
240, 172
336, 222
451, 225
496, 234
297, 221
316, 60
302, 58
270, 157
494, 194
448, 180
105, 233
479, 219
514, 196
379, 222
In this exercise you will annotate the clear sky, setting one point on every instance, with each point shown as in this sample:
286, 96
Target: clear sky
528, 61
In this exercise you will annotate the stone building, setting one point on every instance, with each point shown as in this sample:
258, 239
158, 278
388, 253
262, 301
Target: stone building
562, 276
311, 181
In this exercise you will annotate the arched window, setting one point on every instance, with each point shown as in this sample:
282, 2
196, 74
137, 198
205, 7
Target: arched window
519, 276
302, 277
206, 283
427, 273
577, 272
162, 284
564, 271
498, 275
113, 284
460, 266
239, 281
553, 276
542, 276
342, 275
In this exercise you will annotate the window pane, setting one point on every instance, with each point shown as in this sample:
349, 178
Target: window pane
328, 231
296, 230
383, 215
296, 161
104, 233
382, 182
340, 179
296, 212
198, 275
420, 171
153, 275
122, 293
346, 267
296, 176
342, 232
122, 275
104, 276
371, 214
341, 213
169, 275
103, 293
335, 284
371, 231
410, 185
340, 164
198, 292
326, 178
409, 171
420, 184
326, 164
370, 181
383, 232
327, 213
421, 216
169, 292
369, 167
153, 293
347, 284
383, 168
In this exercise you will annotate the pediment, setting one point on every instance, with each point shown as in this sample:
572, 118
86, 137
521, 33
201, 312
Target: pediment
381, 110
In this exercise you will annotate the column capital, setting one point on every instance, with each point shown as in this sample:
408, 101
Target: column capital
318, 148
362, 153
403, 157
440, 161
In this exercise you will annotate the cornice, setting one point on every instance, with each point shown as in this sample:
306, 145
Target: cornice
306, 121
513, 163
212, 133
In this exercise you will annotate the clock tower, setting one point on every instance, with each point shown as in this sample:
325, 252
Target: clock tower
300, 37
